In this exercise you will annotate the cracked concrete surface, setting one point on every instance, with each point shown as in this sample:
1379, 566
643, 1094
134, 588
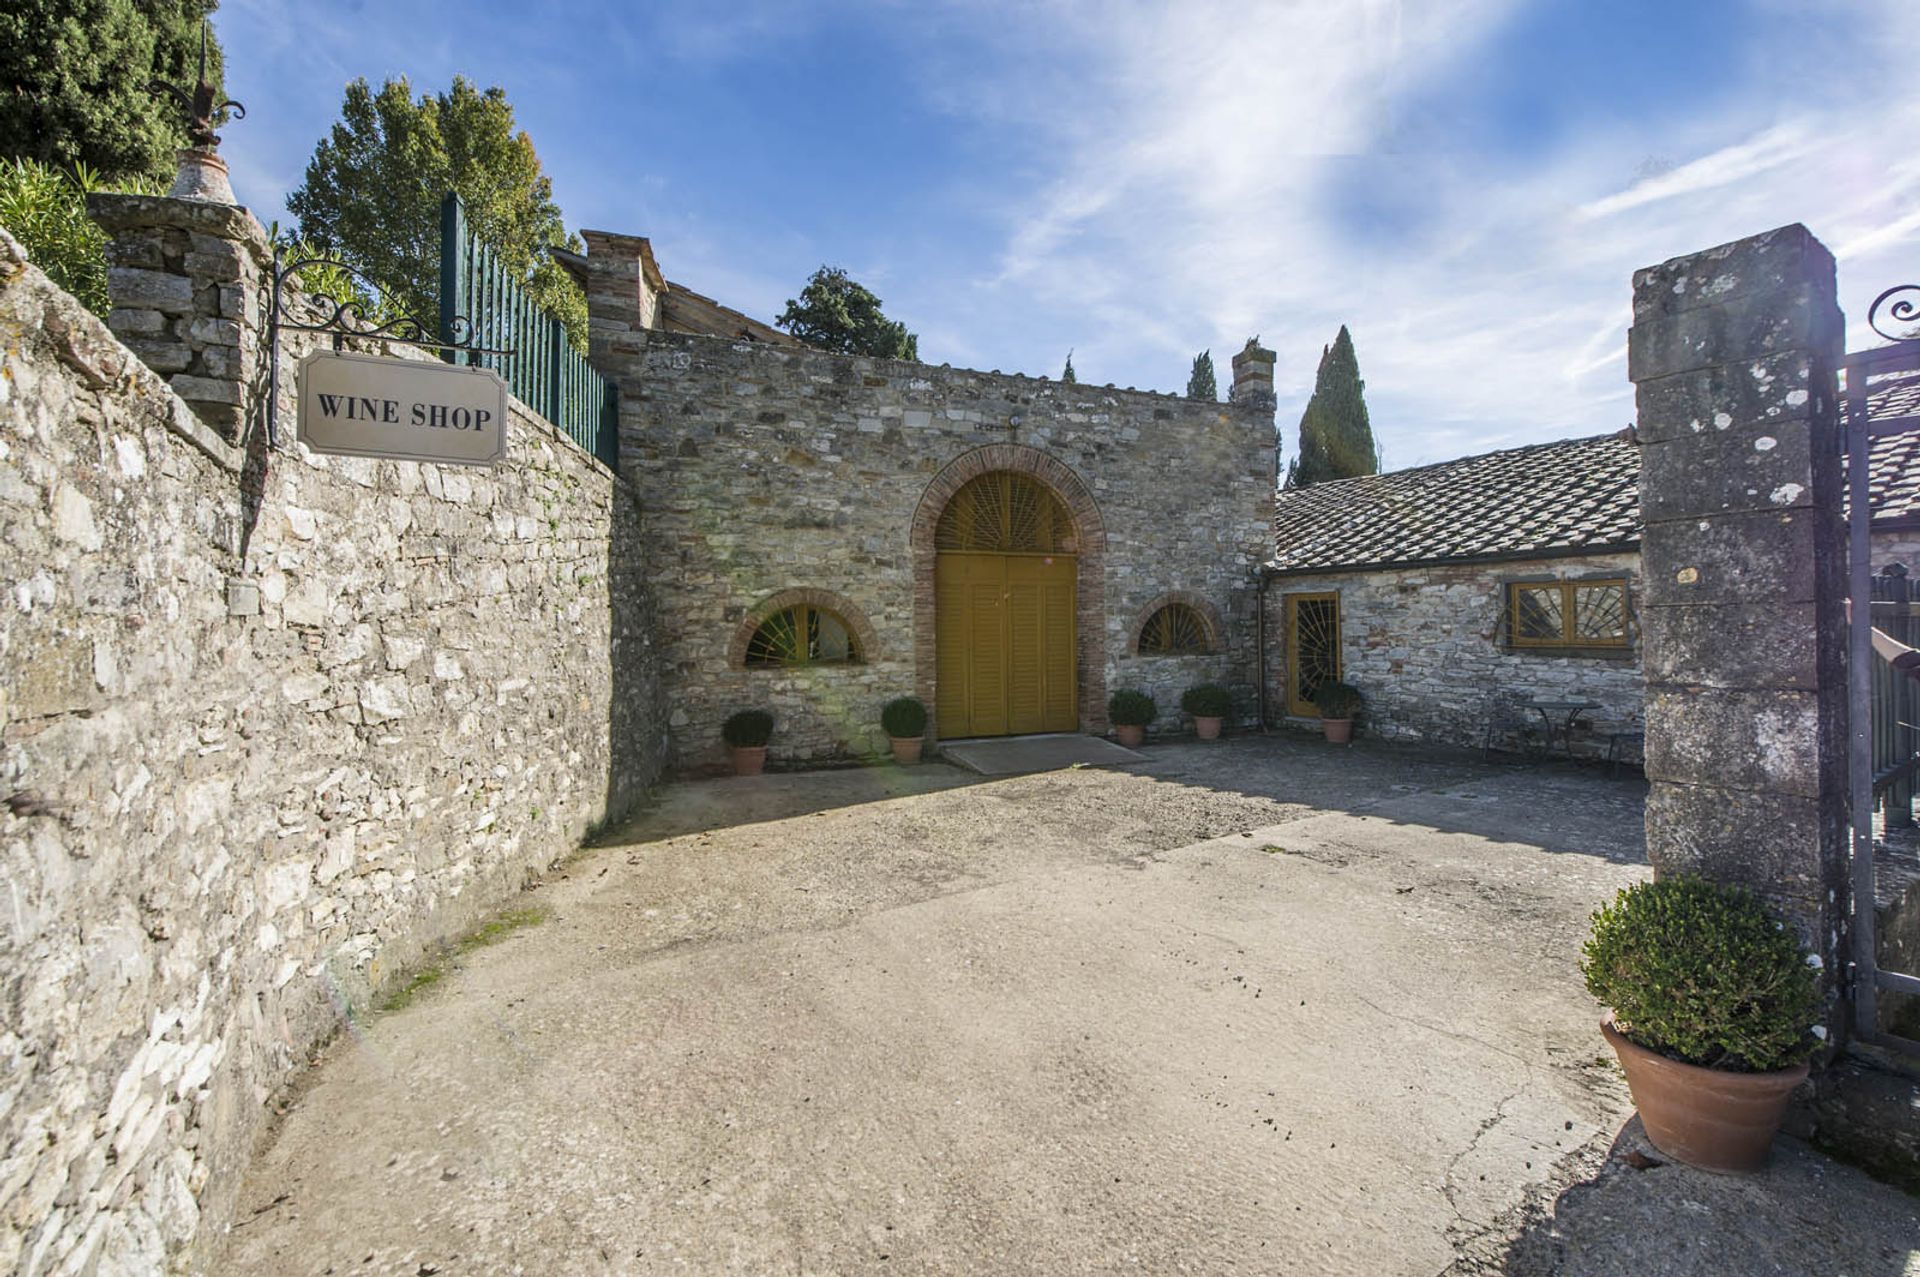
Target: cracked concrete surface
1261, 1006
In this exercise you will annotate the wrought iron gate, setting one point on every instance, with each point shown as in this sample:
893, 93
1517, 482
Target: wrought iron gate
1881, 400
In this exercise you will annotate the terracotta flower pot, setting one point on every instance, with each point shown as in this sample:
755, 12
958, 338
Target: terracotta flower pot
748, 760
1709, 1118
1132, 735
1338, 730
1206, 727
906, 749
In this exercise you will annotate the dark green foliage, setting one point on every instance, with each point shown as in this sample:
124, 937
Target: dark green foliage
1067, 374
1336, 438
1702, 973
747, 729
46, 210
374, 185
1128, 708
1337, 700
74, 76
1208, 700
904, 717
1200, 382
837, 314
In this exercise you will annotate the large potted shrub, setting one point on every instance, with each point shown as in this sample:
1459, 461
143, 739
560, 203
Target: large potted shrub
1208, 703
747, 734
904, 719
1337, 703
1130, 712
1712, 1002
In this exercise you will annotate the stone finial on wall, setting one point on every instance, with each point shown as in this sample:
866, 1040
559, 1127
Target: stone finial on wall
1732, 353
187, 280
1253, 375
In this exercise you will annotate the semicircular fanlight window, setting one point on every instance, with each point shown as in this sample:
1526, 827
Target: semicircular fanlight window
1175, 630
1005, 513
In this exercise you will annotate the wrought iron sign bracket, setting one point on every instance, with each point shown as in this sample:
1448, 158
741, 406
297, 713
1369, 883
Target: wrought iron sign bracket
344, 318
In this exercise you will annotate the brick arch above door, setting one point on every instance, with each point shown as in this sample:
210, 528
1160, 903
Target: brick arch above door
1090, 605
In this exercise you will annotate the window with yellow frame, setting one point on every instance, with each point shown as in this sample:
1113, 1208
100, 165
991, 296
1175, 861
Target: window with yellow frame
1551, 614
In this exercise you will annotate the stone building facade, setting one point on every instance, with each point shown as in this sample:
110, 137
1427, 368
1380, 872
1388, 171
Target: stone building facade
1428, 648
1421, 567
771, 473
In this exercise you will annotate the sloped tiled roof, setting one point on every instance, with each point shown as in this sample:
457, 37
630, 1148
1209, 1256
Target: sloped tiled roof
1550, 499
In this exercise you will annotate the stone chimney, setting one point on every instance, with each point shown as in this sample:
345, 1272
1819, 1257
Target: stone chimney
623, 297
1253, 376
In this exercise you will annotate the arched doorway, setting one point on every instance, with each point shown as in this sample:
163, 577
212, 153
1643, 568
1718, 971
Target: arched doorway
1004, 599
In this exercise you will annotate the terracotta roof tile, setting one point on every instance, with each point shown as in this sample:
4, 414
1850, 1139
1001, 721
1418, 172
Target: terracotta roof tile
1576, 495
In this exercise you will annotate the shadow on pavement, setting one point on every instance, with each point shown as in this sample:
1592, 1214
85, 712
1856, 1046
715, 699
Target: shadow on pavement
1643, 1213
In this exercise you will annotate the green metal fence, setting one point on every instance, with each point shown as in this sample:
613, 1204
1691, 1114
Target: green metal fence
542, 369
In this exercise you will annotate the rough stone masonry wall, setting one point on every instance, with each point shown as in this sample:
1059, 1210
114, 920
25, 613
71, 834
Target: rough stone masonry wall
766, 469
1424, 645
270, 723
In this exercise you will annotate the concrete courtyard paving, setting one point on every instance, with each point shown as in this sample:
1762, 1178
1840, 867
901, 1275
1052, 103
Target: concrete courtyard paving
1261, 1006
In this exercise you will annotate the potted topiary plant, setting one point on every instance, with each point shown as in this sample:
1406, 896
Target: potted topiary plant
1130, 712
905, 720
1208, 703
1712, 1002
747, 734
1337, 702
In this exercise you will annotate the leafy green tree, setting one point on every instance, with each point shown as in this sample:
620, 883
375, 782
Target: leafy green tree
838, 314
1067, 374
74, 77
1336, 438
46, 210
1200, 382
373, 190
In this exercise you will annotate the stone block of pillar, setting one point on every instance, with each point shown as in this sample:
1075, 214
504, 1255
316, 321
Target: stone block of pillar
184, 277
1732, 354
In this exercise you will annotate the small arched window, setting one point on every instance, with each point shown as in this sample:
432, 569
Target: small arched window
1177, 629
802, 635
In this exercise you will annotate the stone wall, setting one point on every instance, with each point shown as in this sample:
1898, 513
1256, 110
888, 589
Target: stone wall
270, 724
1425, 646
765, 469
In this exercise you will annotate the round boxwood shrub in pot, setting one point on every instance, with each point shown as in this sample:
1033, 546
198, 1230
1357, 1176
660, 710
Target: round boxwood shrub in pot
1209, 704
1130, 712
1337, 703
1713, 1002
746, 734
904, 718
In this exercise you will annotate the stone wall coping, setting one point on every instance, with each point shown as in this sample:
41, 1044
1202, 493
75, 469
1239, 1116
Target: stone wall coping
84, 343
912, 368
118, 213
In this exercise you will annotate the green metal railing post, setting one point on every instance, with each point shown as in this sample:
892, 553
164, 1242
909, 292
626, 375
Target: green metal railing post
543, 368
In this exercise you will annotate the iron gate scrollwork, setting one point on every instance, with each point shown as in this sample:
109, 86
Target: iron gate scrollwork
1881, 399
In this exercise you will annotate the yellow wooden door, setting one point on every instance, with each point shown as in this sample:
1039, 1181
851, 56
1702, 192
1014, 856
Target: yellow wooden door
1313, 648
1004, 639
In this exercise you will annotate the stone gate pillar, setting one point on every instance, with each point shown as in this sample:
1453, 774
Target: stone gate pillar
1732, 354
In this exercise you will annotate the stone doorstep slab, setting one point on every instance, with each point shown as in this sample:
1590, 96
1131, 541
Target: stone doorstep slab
1019, 755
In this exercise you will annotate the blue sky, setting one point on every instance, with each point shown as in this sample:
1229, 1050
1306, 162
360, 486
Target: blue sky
1468, 184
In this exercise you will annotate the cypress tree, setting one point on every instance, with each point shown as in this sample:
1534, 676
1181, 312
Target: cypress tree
1067, 374
1200, 382
1336, 438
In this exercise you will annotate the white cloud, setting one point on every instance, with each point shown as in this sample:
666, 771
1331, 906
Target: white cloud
1195, 199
